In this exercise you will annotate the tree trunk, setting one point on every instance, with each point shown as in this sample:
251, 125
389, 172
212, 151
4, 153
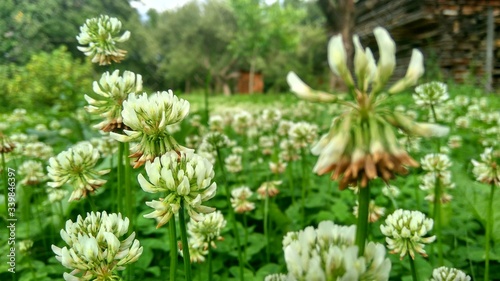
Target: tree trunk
252, 75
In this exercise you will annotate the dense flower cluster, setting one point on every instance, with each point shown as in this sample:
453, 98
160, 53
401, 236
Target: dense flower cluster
187, 177
329, 253
431, 94
32, 171
405, 231
95, 248
76, 166
101, 35
437, 166
239, 199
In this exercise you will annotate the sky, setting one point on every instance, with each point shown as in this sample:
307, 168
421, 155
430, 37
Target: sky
162, 5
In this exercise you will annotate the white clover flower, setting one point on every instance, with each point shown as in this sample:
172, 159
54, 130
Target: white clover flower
96, 249
192, 141
329, 253
196, 254
76, 166
239, 200
268, 188
455, 141
289, 152
207, 230
284, 127
187, 177
488, 169
449, 274
216, 140
148, 118
41, 128
39, 150
266, 144
195, 120
302, 134
101, 35
32, 171
432, 93
56, 195
6, 145
216, 123
238, 150
405, 231
242, 121
374, 212
278, 167
462, 122
106, 145
435, 162
269, 119
110, 93
391, 191
233, 163
462, 100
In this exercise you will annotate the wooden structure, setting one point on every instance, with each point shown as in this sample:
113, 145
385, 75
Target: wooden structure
451, 33
244, 82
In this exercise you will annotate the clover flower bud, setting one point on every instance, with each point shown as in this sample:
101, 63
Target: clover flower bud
337, 59
186, 177
96, 249
109, 94
449, 274
405, 231
77, 167
414, 72
207, 230
148, 118
101, 35
487, 170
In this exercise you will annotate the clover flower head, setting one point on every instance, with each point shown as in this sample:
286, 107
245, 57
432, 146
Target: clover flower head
329, 253
148, 118
436, 162
6, 145
101, 35
76, 166
455, 141
110, 93
269, 119
284, 127
361, 144
207, 230
56, 195
239, 199
487, 170
233, 163
216, 123
216, 140
96, 248
432, 93
242, 121
106, 145
288, 150
449, 274
32, 171
303, 133
391, 191
278, 167
196, 254
268, 189
405, 231
462, 122
186, 176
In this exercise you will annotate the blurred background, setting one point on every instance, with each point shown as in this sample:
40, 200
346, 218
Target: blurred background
236, 46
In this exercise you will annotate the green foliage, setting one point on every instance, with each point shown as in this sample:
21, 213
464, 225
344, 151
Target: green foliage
48, 80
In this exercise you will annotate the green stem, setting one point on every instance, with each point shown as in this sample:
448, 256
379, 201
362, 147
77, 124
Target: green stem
245, 237
184, 239
266, 225
489, 227
120, 170
438, 143
437, 218
289, 171
362, 224
413, 270
207, 89
173, 248
210, 269
92, 203
232, 216
127, 186
304, 187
